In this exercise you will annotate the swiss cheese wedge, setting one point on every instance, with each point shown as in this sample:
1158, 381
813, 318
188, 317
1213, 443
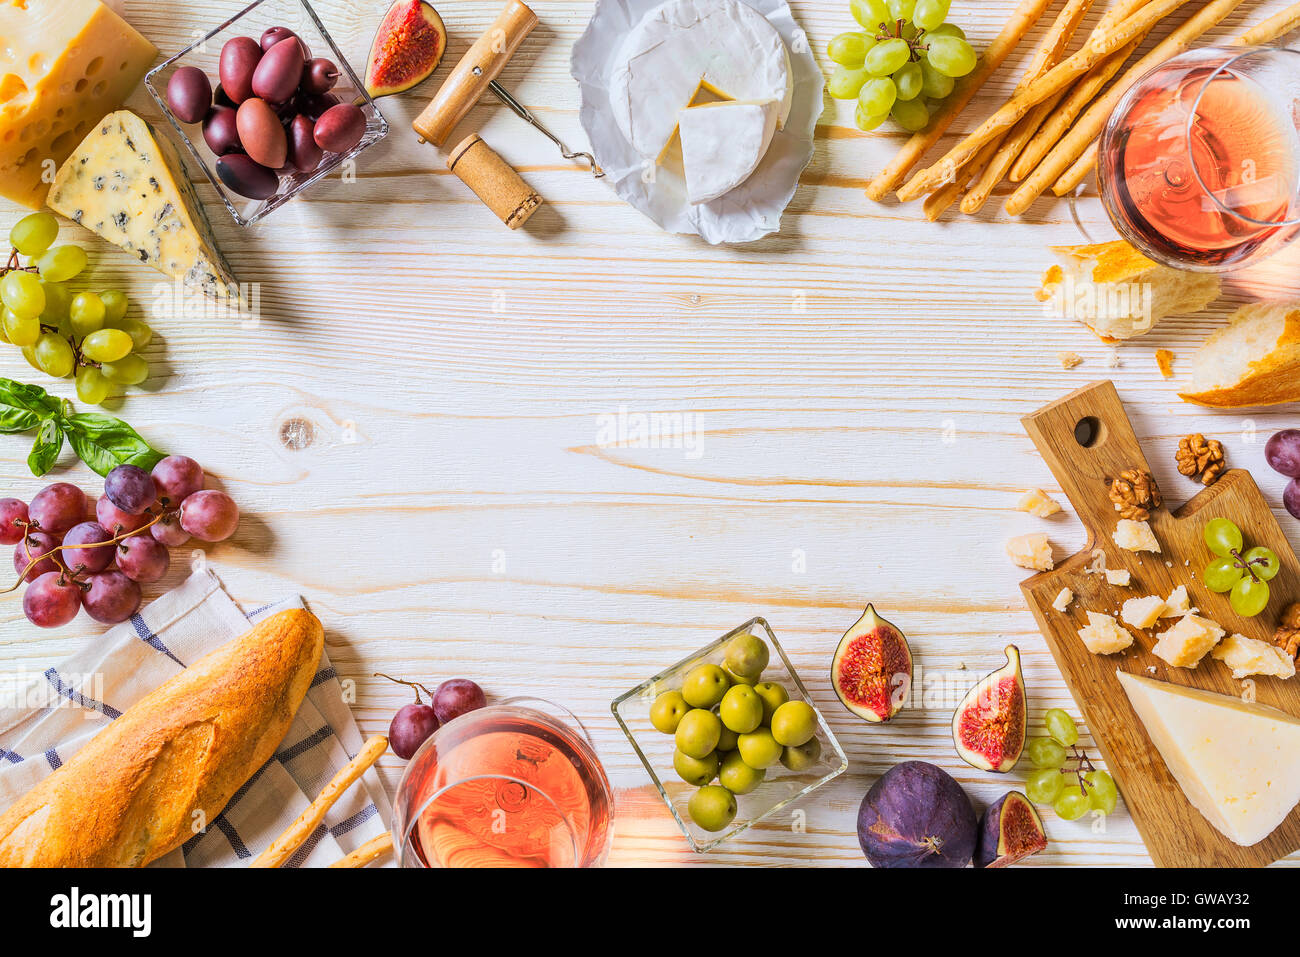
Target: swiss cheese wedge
1235, 761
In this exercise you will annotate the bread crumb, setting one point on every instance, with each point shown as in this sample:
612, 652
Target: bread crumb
1069, 360
1165, 362
1112, 360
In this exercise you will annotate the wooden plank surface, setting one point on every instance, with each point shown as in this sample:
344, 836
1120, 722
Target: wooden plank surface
418, 428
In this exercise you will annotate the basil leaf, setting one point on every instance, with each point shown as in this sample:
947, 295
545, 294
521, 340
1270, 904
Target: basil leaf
104, 443
22, 407
45, 451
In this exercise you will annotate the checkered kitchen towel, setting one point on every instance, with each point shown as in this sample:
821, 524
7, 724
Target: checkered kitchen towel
45, 718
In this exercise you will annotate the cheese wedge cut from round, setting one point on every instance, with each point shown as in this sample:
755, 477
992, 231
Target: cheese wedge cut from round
683, 46
723, 143
1235, 761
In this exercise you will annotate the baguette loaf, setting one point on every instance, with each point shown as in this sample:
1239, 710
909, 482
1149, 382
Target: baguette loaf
1255, 360
170, 764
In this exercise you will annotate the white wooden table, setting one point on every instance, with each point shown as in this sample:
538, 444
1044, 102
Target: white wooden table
414, 430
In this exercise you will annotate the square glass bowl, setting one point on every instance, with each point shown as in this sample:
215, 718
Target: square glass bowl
655, 749
299, 17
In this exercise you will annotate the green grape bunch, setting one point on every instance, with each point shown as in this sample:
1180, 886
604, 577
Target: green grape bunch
1243, 575
86, 335
1067, 780
902, 64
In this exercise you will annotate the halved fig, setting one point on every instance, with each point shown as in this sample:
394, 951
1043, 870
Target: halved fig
872, 669
1010, 831
989, 726
408, 46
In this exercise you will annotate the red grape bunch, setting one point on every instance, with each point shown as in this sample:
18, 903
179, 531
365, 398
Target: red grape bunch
72, 561
414, 723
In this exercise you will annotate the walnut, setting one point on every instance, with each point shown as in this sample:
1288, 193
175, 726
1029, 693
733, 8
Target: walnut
1135, 493
1287, 636
1201, 458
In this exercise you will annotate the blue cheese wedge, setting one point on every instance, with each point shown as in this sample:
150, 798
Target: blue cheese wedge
131, 187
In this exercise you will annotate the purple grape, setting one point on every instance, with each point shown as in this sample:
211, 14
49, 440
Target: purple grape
36, 545
457, 696
130, 488
90, 560
1291, 497
115, 520
12, 512
56, 508
210, 515
1283, 452
176, 478
52, 600
143, 558
169, 531
111, 598
410, 728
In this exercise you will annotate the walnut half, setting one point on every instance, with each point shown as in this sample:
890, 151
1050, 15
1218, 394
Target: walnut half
1287, 636
1135, 493
1200, 458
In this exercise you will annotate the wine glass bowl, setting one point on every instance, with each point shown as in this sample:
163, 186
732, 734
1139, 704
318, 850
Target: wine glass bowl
1199, 165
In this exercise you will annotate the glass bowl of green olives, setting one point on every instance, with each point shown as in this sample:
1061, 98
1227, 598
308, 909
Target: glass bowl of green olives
729, 735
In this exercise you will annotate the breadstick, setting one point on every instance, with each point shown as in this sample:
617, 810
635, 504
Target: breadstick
937, 203
288, 842
1053, 81
1026, 15
372, 850
1266, 32
998, 155
1089, 127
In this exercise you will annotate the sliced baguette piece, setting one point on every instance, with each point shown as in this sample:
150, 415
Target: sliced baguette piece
1118, 292
173, 760
1254, 360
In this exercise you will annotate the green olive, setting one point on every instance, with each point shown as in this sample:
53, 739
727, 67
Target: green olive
773, 696
758, 749
667, 711
698, 733
794, 723
746, 656
741, 709
705, 685
737, 776
803, 756
697, 771
728, 739
713, 807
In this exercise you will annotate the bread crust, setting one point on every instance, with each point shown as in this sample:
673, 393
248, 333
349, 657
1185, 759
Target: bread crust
1270, 380
169, 765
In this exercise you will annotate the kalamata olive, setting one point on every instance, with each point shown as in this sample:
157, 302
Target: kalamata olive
340, 128
221, 131
279, 71
189, 94
320, 76
246, 177
239, 59
275, 34
261, 133
314, 105
304, 154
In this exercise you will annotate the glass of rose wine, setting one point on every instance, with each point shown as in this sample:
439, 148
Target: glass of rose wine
1199, 165
516, 784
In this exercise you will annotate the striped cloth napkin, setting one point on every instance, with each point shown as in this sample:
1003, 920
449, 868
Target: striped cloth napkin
45, 718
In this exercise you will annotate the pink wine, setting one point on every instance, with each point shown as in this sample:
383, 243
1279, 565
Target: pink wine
1240, 142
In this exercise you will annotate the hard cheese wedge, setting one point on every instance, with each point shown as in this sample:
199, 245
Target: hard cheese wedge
130, 187
64, 64
1235, 761
723, 143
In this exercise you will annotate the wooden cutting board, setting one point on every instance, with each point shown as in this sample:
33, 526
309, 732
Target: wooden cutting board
1175, 832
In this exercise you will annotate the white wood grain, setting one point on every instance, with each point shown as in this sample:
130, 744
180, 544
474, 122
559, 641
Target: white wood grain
858, 380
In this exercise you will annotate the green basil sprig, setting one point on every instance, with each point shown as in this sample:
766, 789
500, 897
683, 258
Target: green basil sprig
99, 440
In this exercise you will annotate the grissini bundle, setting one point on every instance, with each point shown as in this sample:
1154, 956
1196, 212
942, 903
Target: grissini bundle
1090, 125
1049, 84
168, 766
1025, 16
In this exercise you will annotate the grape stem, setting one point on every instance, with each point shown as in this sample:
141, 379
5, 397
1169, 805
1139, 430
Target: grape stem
410, 684
14, 266
1082, 765
63, 567
914, 48
1242, 562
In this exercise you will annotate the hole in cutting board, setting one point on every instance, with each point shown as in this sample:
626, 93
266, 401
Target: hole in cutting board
1089, 431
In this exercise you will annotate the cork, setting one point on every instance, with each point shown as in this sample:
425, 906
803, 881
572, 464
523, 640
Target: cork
494, 181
